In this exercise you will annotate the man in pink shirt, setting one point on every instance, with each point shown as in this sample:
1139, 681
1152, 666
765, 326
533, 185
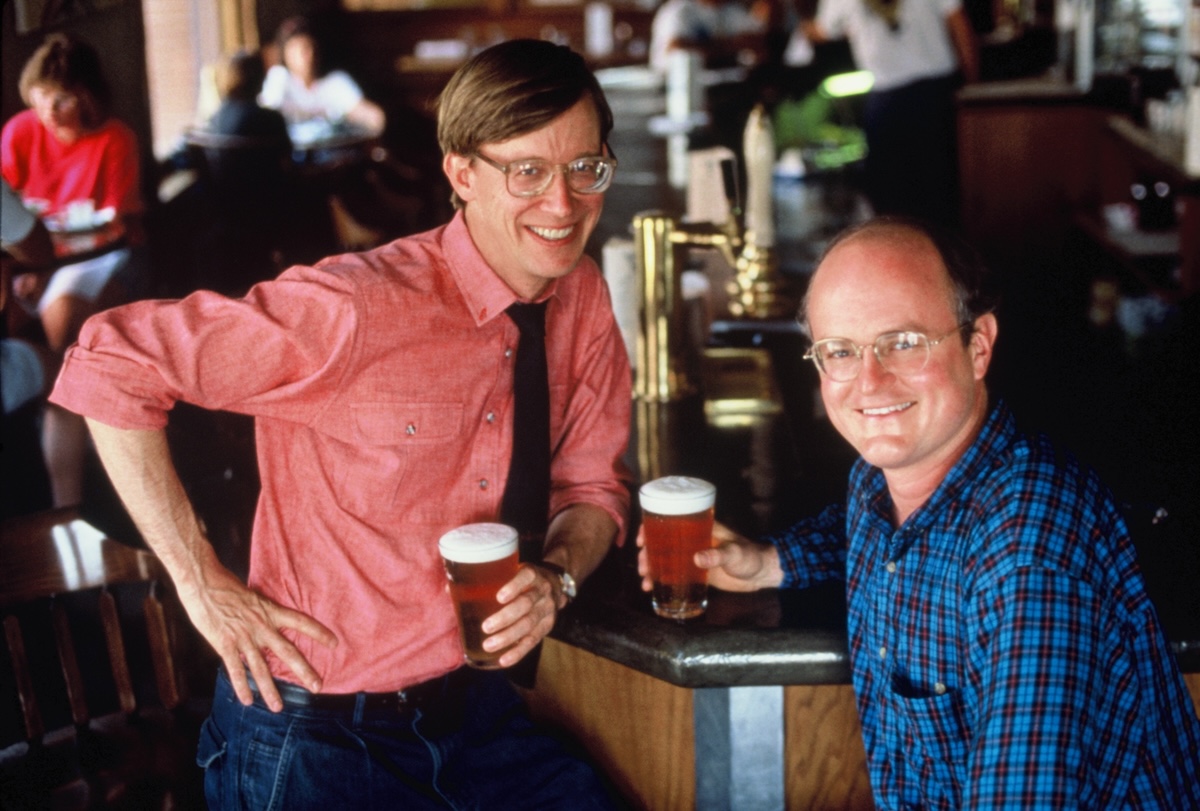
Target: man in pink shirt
382, 387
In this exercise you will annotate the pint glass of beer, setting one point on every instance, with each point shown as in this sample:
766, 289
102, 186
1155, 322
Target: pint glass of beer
479, 559
677, 522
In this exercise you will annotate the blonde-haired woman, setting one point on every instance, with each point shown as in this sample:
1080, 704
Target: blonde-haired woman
64, 149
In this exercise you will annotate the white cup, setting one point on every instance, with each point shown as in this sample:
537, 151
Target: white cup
80, 213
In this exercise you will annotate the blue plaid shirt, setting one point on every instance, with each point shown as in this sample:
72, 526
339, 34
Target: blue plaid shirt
1005, 653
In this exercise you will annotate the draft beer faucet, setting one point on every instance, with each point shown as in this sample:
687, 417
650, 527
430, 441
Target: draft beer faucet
661, 244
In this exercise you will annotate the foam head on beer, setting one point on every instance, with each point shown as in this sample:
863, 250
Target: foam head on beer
478, 543
479, 560
677, 495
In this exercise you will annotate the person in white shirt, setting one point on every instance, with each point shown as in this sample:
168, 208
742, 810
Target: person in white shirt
716, 28
919, 52
302, 92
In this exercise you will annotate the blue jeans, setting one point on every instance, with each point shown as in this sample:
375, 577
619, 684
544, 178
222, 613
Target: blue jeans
483, 754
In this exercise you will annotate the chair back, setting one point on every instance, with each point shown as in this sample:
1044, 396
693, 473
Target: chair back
91, 695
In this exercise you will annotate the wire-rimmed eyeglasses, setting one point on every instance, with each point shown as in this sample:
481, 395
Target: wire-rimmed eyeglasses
903, 352
529, 178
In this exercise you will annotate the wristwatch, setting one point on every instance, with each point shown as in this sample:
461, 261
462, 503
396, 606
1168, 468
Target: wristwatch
565, 581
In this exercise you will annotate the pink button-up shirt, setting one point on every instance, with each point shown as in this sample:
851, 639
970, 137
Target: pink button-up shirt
382, 387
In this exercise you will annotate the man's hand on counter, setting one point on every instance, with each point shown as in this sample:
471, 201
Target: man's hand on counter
735, 563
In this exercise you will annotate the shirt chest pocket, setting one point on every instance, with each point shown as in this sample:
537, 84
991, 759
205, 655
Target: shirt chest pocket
406, 423
940, 734
366, 469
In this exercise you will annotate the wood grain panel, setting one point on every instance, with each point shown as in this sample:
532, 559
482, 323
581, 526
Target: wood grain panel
825, 761
637, 728
1193, 683
1025, 169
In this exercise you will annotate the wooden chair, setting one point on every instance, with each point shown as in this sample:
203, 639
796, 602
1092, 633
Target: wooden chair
94, 709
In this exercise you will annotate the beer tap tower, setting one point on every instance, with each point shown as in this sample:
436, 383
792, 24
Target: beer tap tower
663, 384
661, 246
756, 290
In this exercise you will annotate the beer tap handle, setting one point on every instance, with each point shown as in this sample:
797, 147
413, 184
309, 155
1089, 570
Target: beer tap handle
730, 181
732, 227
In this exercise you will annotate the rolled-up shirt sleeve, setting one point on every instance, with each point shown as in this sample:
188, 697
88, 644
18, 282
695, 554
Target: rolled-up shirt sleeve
271, 353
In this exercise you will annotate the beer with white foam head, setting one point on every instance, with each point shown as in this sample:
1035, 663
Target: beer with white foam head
677, 522
479, 560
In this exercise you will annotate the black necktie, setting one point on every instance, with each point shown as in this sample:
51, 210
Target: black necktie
526, 502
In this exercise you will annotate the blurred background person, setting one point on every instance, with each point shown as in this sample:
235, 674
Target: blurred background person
247, 169
64, 150
718, 29
26, 367
302, 90
345, 205
919, 52
239, 79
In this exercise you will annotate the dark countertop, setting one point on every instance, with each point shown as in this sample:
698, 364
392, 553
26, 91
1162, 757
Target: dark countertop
1030, 90
768, 637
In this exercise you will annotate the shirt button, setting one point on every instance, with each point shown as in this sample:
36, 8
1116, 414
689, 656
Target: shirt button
891, 567
883, 652
483, 483
939, 688
410, 429
491, 416
508, 352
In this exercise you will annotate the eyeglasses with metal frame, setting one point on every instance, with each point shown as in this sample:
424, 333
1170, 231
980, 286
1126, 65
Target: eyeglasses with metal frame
903, 352
529, 178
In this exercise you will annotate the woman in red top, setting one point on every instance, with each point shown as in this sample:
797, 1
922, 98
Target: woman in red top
62, 151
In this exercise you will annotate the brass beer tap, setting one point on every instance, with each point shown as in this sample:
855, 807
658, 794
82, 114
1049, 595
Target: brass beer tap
661, 244
756, 291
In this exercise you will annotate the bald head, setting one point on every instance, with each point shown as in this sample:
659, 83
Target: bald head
957, 268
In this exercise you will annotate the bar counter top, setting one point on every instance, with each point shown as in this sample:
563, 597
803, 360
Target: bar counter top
764, 638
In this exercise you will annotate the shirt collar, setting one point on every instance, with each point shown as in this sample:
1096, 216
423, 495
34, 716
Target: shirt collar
485, 292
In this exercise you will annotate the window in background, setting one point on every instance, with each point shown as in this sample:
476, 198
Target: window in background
182, 36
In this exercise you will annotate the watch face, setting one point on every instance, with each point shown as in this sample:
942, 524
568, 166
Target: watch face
566, 582
568, 585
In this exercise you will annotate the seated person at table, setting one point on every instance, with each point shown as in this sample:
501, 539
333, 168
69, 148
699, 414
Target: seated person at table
65, 149
718, 29
383, 389
302, 90
1003, 647
248, 179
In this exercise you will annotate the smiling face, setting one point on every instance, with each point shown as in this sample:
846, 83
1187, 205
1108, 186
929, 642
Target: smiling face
528, 241
914, 427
